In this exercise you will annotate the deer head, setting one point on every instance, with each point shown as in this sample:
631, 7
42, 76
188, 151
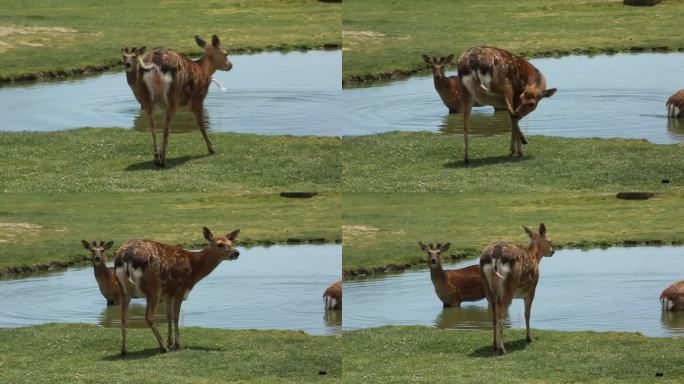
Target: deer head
434, 253
438, 64
130, 57
222, 246
216, 56
543, 243
531, 96
97, 251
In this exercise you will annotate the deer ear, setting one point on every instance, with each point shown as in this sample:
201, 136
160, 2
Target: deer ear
108, 245
426, 59
215, 41
140, 50
542, 230
449, 59
548, 92
207, 234
231, 236
200, 41
422, 246
528, 231
124, 49
85, 244
445, 247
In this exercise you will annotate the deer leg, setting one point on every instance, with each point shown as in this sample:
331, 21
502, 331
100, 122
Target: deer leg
168, 116
149, 316
495, 343
168, 303
467, 102
503, 308
514, 138
153, 129
198, 109
176, 309
528, 309
125, 300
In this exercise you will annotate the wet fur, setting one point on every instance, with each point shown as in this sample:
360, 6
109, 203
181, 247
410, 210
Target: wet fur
333, 296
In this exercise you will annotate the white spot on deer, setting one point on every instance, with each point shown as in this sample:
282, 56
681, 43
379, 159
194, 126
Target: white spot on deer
667, 304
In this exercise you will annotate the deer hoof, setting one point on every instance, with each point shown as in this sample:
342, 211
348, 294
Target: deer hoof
211, 151
500, 352
529, 339
123, 352
163, 349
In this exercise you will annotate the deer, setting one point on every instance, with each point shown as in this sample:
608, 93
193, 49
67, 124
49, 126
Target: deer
156, 271
675, 104
492, 76
333, 296
105, 276
170, 80
512, 271
130, 63
672, 298
455, 286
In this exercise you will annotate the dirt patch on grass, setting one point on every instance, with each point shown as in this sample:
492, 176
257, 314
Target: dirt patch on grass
354, 38
12, 36
13, 230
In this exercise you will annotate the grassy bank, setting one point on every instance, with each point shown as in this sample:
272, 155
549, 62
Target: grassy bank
385, 38
426, 355
111, 159
58, 37
424, 161
43, 228
384, 229
79, 353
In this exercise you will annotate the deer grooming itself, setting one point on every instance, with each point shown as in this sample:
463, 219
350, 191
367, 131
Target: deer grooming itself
333, 296
170, 80
675, 104
512, 271
492, 76
455, 286
105, 276
672, 298
153, 270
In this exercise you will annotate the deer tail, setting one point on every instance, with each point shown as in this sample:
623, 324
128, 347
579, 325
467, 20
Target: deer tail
495, 268
145, 66
479, 81
220, 87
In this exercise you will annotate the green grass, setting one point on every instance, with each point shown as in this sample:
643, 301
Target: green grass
58, 36
387, 36
384, 229
426, 355
433, 162
42, 228
110, 159
78, 353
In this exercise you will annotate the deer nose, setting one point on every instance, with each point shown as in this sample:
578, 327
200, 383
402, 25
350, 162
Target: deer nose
230, 66
97, 258
236, 253
127, 65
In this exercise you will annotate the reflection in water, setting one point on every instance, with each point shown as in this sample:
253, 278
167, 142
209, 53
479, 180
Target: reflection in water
675, 127
483, 122
567, 297
110, 316
333, 317
183, 121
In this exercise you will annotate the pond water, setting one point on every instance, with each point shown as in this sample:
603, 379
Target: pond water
620, 95
296, 93
615, 289
277, 287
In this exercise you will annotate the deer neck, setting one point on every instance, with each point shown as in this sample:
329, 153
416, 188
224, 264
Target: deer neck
203, 263
439, 79
132, 75
100, 269
437, 274
206, 67
534, 251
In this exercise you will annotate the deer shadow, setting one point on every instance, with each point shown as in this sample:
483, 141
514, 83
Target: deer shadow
170, 163
487, 161
511, 346
146, 353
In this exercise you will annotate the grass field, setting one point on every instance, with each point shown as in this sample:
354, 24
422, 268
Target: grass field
385, 38
58, 36
41, 228
384, 229
433, 162
427, 355
108, 159
79, 353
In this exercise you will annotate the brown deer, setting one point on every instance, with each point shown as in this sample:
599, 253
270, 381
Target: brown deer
170, 80
333, 296
455, 286
105, 276
675, 104
492, 76
512, 271
130, 62
672, 298
153, 270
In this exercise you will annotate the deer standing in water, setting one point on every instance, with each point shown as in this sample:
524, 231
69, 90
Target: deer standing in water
333, 296
130, 62
455, 286
105, 276
672, 298
157, 271
170, 80
492, 76
512, 271
675, 104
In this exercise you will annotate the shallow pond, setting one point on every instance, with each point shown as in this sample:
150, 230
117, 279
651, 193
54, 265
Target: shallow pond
615, 289
277, 287
268, 93
620, 95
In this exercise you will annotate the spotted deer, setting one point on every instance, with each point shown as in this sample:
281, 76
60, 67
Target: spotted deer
675, 104
455, 286
170, 80
157, 271
512, 271
105, 276
333, 296
492, 76
130, 63
448, 87
672, 298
